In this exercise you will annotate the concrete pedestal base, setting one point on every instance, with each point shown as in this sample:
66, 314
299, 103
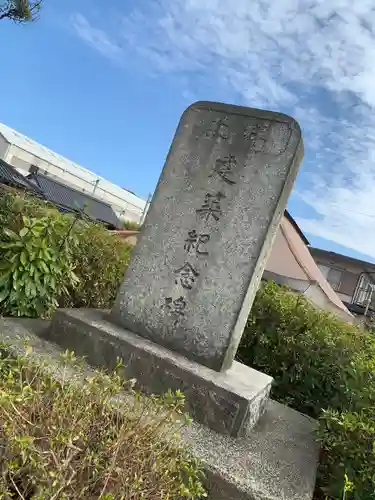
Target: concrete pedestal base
228, 402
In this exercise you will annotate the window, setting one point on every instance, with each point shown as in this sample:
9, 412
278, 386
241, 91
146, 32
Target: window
332, 275
324, 270
334, 278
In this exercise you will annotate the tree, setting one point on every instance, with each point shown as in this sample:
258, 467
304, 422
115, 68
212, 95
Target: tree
20, 11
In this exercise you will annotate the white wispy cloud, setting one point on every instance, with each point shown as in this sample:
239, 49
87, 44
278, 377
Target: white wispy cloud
97, 38
311, 58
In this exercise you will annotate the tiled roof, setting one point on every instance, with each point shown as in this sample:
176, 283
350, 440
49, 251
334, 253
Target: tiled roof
10, 176
70, 199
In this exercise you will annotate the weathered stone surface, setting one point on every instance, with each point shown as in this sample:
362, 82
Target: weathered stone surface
277, 461
229, 402
208, 232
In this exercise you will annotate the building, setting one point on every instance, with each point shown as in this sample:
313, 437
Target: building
28, 156
352, 279
65, 198
68, 199
9, 176
290, 263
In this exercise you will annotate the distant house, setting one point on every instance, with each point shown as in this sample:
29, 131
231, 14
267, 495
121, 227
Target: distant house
352, 279
291, 264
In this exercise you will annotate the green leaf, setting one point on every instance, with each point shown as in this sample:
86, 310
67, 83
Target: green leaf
52, 283
26, 221
4, 293
24, 231
5, 266
23, 258
4, 278
43, 266
13, 244
31, 269
33, 290
14, 257
11, 234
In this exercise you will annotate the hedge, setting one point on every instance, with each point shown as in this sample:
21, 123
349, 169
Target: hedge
325, 368
65, 440
86, 261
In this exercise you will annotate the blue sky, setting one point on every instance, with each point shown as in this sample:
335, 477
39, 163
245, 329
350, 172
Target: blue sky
104, 84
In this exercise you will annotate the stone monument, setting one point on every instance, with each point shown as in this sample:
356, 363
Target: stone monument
187, 293
209, 230
188, 290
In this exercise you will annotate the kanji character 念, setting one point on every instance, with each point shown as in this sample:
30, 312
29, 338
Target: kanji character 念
186, 275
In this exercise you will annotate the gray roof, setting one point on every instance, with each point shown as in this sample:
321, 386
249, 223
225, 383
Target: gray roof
72, 200
10, 177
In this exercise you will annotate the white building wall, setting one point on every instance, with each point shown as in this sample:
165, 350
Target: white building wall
22, 153
3, 147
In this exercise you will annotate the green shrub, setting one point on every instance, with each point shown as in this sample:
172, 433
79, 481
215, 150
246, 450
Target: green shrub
14, 204
70, 441
325, 368
131, 225
35, 266
317, 360
348, 448
99, 258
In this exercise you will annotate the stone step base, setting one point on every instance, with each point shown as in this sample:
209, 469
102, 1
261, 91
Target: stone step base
277, 461
229, 402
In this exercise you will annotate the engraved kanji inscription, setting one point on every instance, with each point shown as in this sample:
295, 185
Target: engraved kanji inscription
268, 137
217, 128
186, 276
257, 134
176, 308
211, 207
187, 159
224, 168
278, 138
196, 242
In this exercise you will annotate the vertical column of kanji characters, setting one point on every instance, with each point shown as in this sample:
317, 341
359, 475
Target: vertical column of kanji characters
196, 243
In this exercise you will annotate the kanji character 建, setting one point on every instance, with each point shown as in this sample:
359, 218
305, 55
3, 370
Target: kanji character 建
224, 167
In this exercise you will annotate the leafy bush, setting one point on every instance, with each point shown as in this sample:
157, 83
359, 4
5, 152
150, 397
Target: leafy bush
35, 267
325, 368
64, 441
99, 258
317, 360
348, 448
14, 204
131, 225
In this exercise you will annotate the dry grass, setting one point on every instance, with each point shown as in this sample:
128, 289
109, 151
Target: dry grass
62, 441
